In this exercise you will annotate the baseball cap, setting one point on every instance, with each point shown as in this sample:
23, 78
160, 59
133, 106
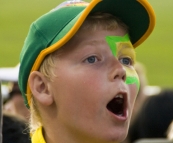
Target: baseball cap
55, 28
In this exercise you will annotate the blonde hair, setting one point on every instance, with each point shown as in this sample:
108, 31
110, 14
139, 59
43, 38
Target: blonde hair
103, 21
93, 22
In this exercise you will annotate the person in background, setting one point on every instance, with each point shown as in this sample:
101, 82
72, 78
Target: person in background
154, 118
14, 129
15, 103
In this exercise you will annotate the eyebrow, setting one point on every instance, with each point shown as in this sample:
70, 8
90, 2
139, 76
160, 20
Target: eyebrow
93, 42
125, 48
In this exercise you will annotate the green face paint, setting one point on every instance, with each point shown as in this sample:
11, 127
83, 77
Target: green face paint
113, 42
133, 80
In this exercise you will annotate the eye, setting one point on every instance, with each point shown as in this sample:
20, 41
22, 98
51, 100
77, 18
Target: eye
126, 61
91, 59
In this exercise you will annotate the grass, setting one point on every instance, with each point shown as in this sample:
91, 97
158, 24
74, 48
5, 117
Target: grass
155, 53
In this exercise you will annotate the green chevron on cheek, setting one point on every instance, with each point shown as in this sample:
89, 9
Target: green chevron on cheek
133, 80
112, 40
132, 77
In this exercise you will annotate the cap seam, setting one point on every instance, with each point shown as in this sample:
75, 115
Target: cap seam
38, 31
50, 43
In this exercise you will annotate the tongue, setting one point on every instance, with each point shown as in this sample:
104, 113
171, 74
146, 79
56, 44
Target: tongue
116, 106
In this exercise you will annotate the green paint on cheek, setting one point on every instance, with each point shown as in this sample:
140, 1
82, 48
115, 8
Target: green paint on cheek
112, 40
132, 77
133, 80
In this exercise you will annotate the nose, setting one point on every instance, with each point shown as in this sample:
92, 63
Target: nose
118, 71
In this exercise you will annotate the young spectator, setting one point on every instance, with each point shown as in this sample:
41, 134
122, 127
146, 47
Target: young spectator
14, 129
77, 70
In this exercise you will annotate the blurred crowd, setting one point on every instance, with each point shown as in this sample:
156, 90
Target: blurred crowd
15, 115
151, 122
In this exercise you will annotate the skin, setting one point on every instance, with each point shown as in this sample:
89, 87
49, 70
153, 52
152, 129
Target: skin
17, 107
73, 105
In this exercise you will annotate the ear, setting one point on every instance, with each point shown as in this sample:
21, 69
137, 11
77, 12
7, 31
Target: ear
39, 86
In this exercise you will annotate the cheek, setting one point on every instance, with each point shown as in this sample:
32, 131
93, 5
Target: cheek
86, 79
76, 87
79, 96
133, 92
132, 80
132, 77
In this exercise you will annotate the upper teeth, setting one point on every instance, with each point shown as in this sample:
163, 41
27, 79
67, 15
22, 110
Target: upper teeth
119, 96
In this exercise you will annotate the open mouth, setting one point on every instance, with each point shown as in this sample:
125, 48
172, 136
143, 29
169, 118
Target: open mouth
117, 105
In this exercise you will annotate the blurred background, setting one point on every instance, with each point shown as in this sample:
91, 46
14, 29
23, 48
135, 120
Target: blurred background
155, 69
156, 53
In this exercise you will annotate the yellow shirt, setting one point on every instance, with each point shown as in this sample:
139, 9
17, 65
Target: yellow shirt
37, 137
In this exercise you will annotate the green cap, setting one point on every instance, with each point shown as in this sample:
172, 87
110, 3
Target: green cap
55, 28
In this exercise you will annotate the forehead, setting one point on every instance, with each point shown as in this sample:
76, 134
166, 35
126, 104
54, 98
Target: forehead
117, 37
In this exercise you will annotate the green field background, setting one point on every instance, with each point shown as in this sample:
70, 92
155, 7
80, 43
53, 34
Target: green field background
156, 53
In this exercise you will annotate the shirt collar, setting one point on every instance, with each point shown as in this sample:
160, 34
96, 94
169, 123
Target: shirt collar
37, 137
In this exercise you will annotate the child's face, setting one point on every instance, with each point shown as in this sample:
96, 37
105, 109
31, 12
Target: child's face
89, 80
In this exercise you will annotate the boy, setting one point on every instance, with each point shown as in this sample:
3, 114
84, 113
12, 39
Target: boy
77, 70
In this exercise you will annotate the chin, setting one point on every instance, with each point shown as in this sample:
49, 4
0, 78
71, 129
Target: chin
117, 136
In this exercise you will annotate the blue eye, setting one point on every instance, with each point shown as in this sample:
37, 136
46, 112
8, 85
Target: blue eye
91, 59
126, 61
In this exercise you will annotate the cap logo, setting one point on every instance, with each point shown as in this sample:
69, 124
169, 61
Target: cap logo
71, 3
